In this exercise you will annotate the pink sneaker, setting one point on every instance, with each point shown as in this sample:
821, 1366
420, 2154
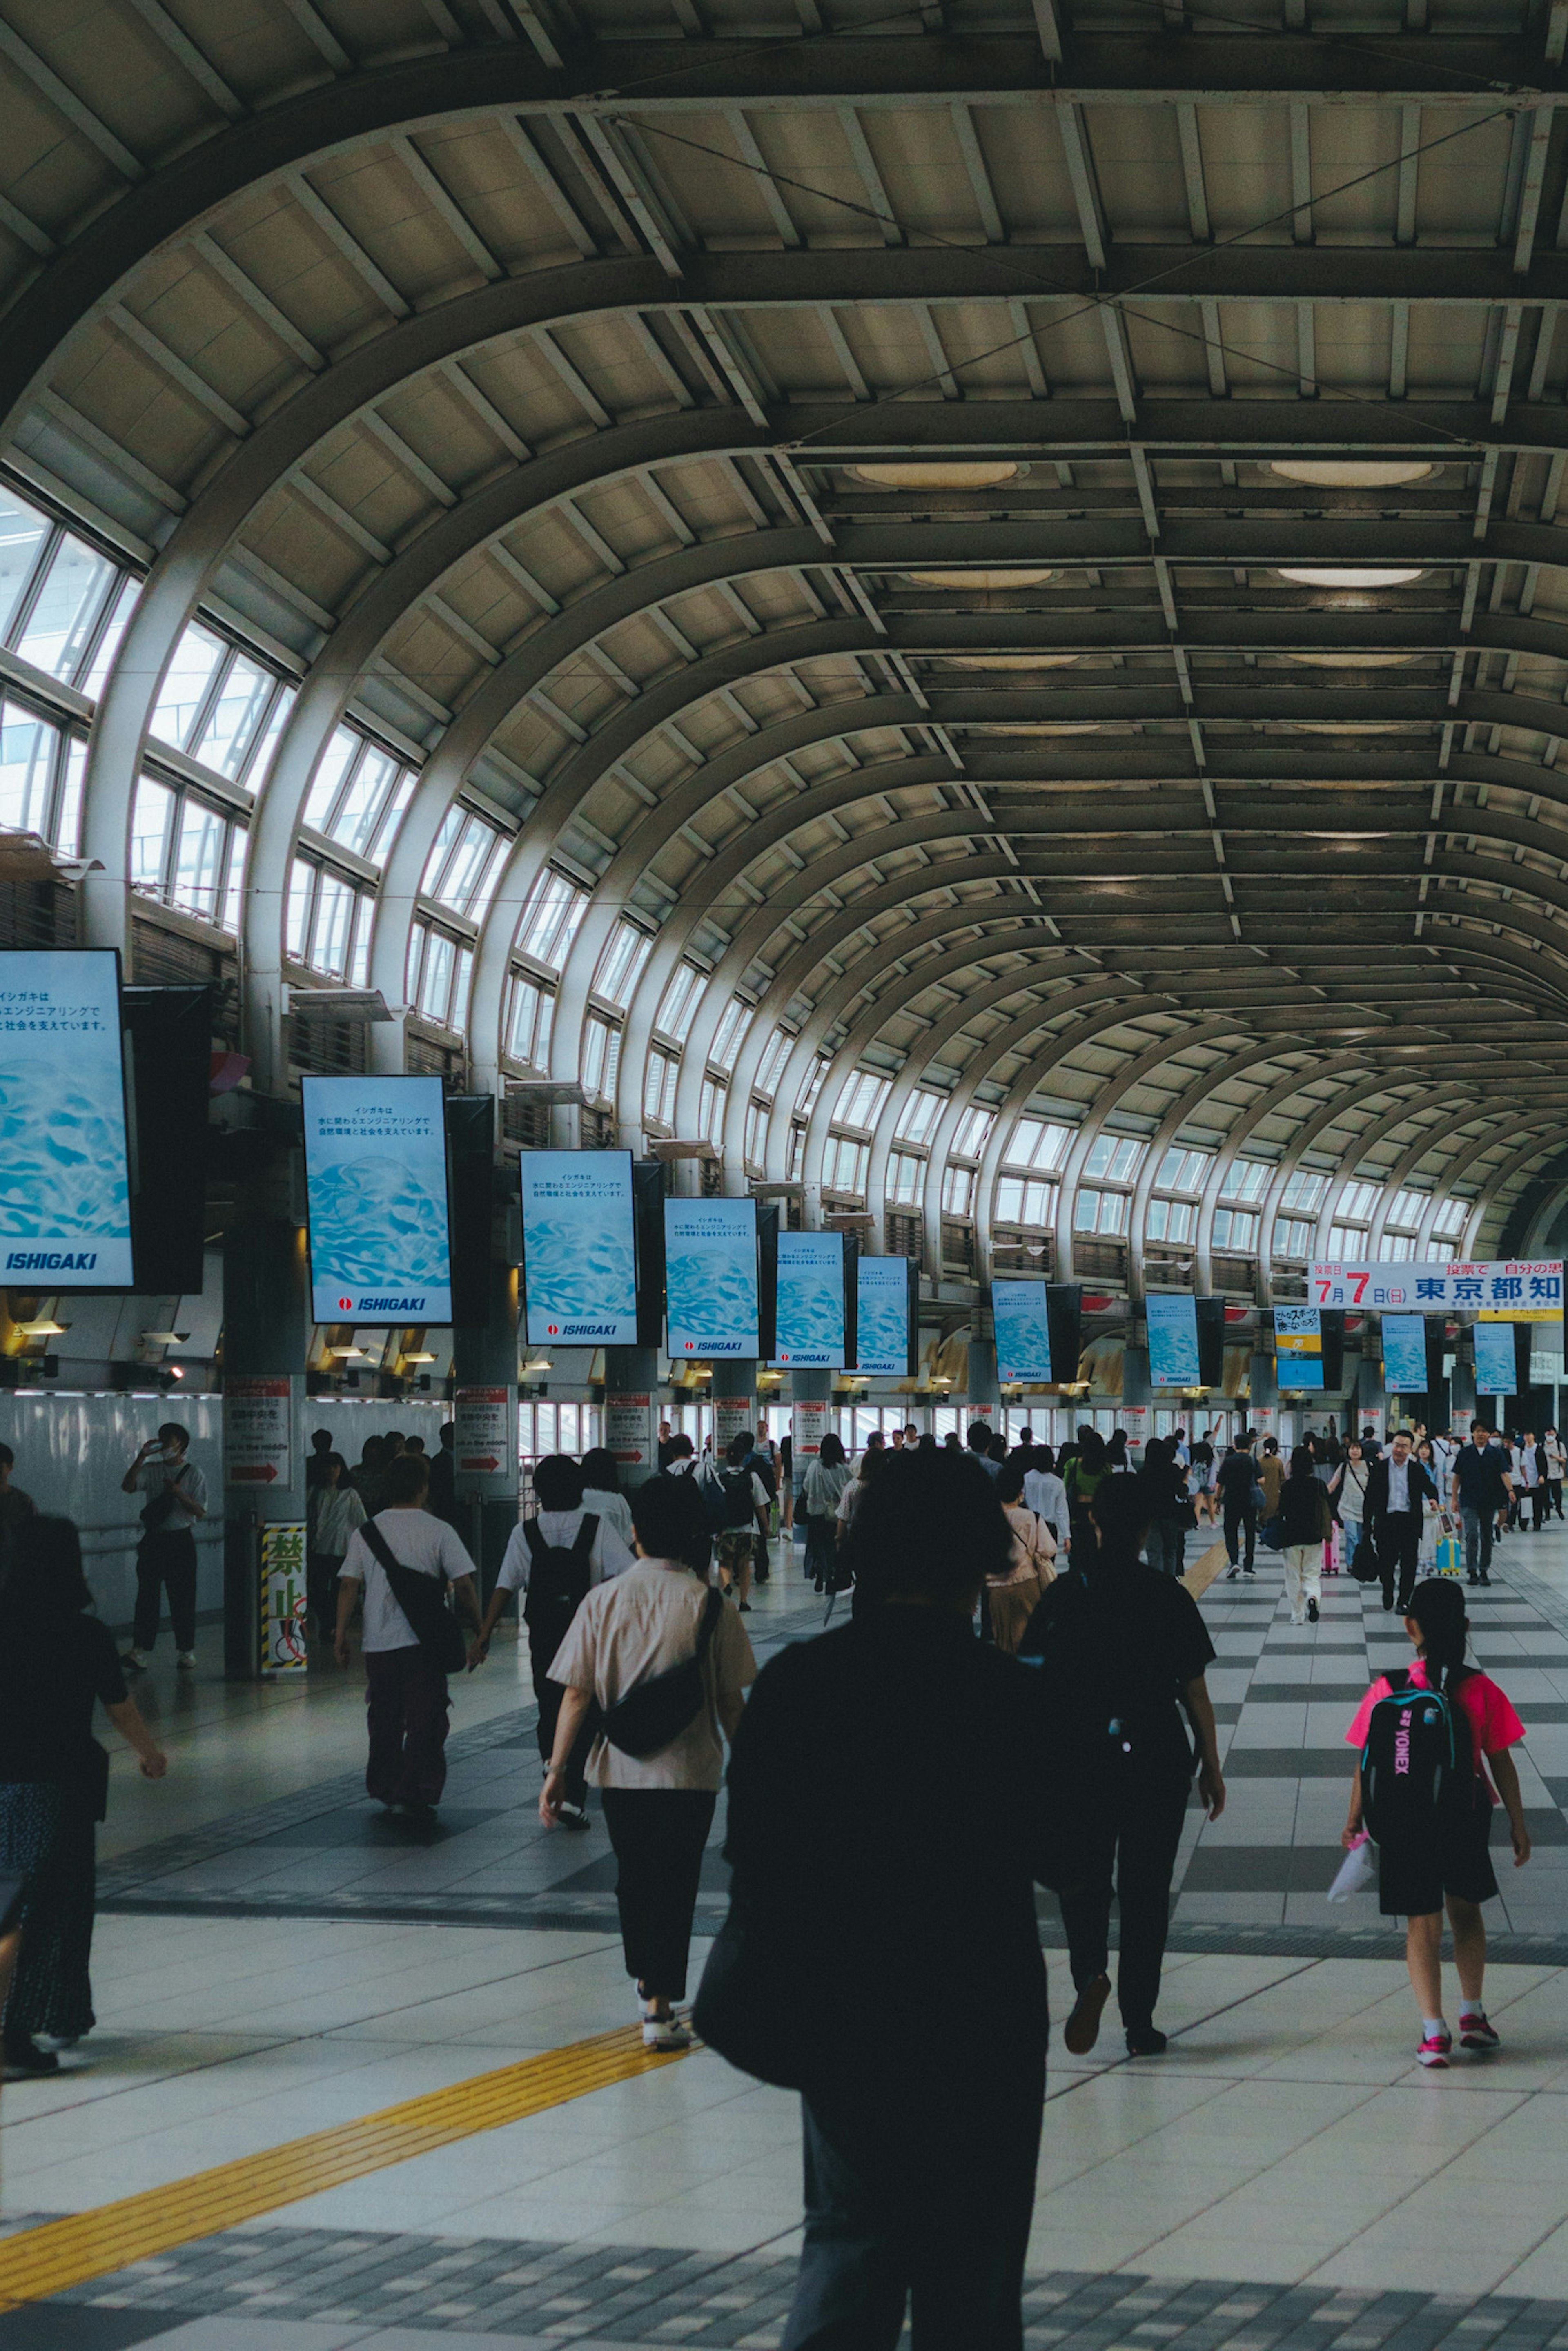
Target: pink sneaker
1434, 2049
1475, 2032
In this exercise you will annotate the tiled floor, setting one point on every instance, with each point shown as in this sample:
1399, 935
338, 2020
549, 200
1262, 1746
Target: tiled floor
274, 1971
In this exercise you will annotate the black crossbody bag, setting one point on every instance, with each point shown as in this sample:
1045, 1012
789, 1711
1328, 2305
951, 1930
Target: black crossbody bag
423, 1602
652, 1714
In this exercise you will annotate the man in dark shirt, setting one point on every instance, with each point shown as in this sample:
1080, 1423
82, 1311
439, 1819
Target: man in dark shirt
15, 1505
1479, 1489
1238, 1475
442, 1499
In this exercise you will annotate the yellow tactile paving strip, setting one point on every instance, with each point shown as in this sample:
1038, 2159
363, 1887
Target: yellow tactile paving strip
85, 2245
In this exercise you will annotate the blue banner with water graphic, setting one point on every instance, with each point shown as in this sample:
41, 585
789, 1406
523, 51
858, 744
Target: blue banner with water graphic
64, 1177
1023, 1331
882, 1317
1496, 1372
1404, 1354
375, 1182
579, 1247
710, 1278
1172, 1340
811, 1323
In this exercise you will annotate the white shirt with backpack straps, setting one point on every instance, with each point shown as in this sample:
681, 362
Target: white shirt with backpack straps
608, 1557
415, 1540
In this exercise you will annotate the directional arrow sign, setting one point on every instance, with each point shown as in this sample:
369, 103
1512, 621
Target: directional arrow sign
478, 1461
246, 1473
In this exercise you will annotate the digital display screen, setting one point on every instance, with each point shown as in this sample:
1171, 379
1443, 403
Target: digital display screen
375, 1182
810, 1330
65, 1165
710, 1278
1023, 1331
1495, 1371
881, 1316
1404, 1354
1173, 1341
579, 1247
1298, 1346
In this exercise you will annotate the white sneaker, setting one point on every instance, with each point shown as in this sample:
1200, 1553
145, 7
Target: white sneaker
664, 2033
133, 1661
185, 1660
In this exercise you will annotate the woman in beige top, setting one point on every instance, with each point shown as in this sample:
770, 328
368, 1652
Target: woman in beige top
658, 1808
1011, 1599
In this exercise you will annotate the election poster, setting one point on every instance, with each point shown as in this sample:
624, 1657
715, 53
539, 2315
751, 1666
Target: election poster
1523, 1289
375, 1182
579, 1247
65, 1162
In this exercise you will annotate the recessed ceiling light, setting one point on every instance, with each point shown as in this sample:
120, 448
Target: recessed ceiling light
1352, 473
1009, 660
1361, 575
1042, 726
1351, 661
945, 473
979, 578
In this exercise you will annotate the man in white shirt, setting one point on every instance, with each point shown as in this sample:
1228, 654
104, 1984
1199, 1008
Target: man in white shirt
747, 1504
575, 1549
1556, 1462
406, 1695
1045, 1496
176, 1495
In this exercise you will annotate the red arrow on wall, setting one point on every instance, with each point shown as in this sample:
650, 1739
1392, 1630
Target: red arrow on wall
479, 1461
262, 1474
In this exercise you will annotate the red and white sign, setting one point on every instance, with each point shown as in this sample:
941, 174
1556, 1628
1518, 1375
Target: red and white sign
730, 1416
258, 1425
629, 1431
1265, 1419
807, 1427
1135, 1419
485, 1444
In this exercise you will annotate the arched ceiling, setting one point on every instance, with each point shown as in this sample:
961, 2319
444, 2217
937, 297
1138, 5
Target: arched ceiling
504, 372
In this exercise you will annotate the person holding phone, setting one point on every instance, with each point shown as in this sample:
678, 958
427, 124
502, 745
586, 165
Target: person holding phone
176, 1497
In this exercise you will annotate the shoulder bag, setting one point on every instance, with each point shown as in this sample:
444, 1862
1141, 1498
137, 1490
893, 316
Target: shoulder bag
423, 1599
652, 1714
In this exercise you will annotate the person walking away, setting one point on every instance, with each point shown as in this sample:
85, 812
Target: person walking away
1535, 1455
1556, 1463
787, 1489
334, 1510
760, 1461
820, 1498
1433, 1824
1172, 1505
746, 1504
443, 1496
1271, 1478
1233, 1491
176, 1495
406, 1665
1431, 1511
849, 1501
367, 1474
16, 1505
315, 1461
1305, 1517
1045, 1496
1122, 1652
554, 1560
1397, 1491
1012, 1598
1081, 1479
1479, 1489
1347, 1492
919, 2177
658, 1806
602, 1494
1203, 1476
57, 1661
1526, 1478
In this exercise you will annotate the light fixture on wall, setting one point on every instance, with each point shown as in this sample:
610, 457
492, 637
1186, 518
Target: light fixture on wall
421, 1357
165, 1338
979, 578
44, 1329
1359, 575
350, 1354
1352, 473
940, 474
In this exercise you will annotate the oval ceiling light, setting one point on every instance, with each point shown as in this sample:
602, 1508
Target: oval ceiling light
979, 578
942, 473
1353, 661
1009, 660
1352, 473
1361, 575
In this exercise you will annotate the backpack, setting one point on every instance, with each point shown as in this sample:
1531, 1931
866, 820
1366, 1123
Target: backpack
1098, 1714
739, 1501
558, 1583
763, 1464
1413, 1774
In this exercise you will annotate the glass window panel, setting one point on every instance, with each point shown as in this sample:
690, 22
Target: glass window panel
595, 1039
26, 768
330, 770
756, 1144
773, 1060
710, 1110
150, 824
258, 767
185, 682
1158, 1218
334, 920
905, 1175
974, 1128
1036, 1143
659, 1088
393, 815
921, 1115
957, 1191
235, 717
674, 1015
365, 801
549, 919
529, 1035
731, 1031
233, 887
199, 859
127, 596
621, 965
66, 608
67, 823
458, 1018
435, 978
297, 925
360, 953
22, 531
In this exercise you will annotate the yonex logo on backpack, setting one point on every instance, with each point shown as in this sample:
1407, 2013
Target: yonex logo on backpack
1414, 1768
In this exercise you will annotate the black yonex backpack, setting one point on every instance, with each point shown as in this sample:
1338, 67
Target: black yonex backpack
558, 1583
1415, 1767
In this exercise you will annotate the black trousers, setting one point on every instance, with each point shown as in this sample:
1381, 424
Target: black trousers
1240, 1515
165, 1560
1398, 1551
922, 2193
550, 1695
658, 1835
1132, 1831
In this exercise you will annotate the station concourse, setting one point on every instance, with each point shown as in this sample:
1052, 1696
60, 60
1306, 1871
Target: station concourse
921, 649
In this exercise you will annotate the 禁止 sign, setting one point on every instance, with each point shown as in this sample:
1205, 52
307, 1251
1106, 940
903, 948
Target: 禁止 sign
257, 1431
710, 1278
283, 1599
65, 1170
375, 1180
1522, 1289
579, 1247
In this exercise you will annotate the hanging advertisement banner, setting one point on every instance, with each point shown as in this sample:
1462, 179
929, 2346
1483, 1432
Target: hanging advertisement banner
1023, 1329
1297, 1347
1524, 1290
485, 1441
1404, 1354
579, 1250
375, 1182
1495, 1366
710, 1278
283, 1599
730, 1416
807, 1427
1172, 1340
881, 1326
631, 1431
809, 1334
65, 1192
257, 1430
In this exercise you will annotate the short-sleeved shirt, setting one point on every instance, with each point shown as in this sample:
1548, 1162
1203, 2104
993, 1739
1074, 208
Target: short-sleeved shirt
639, 1624
415, 1540
1141, 1634
1047, 1498
49, 1679
1479, 1471
608, 1556
155, 1477
1493, 1722
614, 1509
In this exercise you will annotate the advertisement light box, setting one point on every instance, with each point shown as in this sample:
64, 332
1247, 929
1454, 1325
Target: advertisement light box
579, 1247
1173, 1341
1023, 1330
1298, 1346
809, 1334
710, 1278
65, 1167
1404, 1354
882, 1317
375, 1180
1496, 1369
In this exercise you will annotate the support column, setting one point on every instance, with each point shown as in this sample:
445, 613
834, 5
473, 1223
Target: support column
734, 1400
1371, 1392
485, 1366
1136, 1415
984, 1397
810, 1398
267, 1324
632, 1411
